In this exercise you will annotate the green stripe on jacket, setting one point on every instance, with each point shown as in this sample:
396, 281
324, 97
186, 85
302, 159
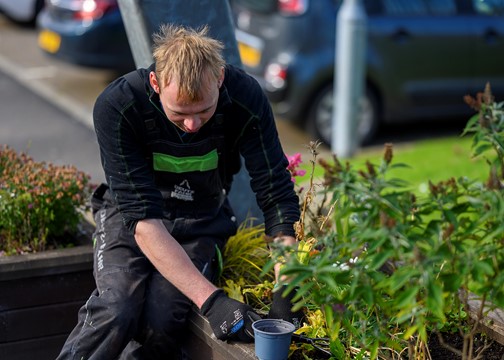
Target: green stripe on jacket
169, 163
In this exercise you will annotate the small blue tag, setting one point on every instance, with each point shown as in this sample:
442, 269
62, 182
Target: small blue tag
237, 327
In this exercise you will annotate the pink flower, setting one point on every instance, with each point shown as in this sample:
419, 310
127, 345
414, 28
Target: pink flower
294, 162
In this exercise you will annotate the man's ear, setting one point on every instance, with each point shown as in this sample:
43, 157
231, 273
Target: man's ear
153, 81
221, 77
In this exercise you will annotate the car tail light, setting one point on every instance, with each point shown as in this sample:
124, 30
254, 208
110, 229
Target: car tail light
292, 7
93, 9
275, 76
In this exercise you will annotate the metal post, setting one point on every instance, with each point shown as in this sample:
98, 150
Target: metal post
349, 76
136, 30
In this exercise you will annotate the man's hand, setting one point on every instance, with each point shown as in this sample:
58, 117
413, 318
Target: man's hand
229, 319
281, 307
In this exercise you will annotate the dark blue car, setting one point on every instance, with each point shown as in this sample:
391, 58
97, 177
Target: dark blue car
85, 32
422, 57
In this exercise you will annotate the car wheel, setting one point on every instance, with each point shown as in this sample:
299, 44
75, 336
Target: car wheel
320, 115
39, 5
29, 19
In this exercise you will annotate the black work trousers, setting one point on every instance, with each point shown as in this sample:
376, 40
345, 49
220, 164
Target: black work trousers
135, 313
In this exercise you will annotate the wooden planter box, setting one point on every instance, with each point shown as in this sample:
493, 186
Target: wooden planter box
40, 295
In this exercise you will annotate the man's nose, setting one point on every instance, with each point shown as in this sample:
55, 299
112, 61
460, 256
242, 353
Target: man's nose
193, 123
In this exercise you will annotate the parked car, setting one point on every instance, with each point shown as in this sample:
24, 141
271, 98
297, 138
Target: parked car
85, 32
21, 11
422, 57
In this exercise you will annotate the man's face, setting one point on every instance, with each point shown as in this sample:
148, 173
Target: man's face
186, 115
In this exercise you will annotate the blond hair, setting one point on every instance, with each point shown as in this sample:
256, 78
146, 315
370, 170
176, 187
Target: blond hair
186, 56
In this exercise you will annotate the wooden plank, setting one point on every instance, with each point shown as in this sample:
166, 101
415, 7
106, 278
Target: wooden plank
54, 289
195, 348
493, 322
46, 263
38, 321
217, 349
45, 348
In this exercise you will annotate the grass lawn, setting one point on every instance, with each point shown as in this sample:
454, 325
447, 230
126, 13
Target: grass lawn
435, 160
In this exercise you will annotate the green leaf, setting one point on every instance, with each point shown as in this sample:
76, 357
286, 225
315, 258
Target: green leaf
337, 349
379, 259
410, 331
499, 142
406, 298
399, 165
400, 277
435, 301
451, 281
498, 298
481, 149
304, 290
366, 292
299, 280
329, 281
451, 217
480, 270
376, 243
470, 126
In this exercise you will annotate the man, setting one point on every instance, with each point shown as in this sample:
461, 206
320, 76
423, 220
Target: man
170, 139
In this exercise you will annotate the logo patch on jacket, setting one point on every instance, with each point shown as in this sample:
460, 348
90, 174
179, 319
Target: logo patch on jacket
183, 191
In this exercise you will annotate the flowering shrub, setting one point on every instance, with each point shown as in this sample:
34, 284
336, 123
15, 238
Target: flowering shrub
38, 202
387, 268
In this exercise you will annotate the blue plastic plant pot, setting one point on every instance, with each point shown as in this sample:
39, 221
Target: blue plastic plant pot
272, 338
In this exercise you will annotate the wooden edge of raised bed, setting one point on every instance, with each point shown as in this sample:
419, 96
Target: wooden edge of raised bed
47, 262
204, 345
493, 322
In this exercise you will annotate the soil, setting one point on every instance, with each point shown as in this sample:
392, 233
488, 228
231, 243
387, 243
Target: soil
495, 351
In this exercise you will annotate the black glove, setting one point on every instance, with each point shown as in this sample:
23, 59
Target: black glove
281, 307
229, 319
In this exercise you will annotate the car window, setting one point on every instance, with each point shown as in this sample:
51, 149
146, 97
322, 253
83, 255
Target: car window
372, 7
489, 7
419, 7
264, 6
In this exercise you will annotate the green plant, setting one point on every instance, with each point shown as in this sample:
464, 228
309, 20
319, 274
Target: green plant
386, 266
39, 202
243, 259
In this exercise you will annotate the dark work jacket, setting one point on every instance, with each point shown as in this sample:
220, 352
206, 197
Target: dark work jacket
124, 119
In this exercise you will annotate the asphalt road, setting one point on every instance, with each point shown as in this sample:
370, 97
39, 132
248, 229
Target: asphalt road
31, 124
45, 105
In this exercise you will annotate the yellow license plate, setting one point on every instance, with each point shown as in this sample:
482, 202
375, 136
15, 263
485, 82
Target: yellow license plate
249, 56
49, 41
